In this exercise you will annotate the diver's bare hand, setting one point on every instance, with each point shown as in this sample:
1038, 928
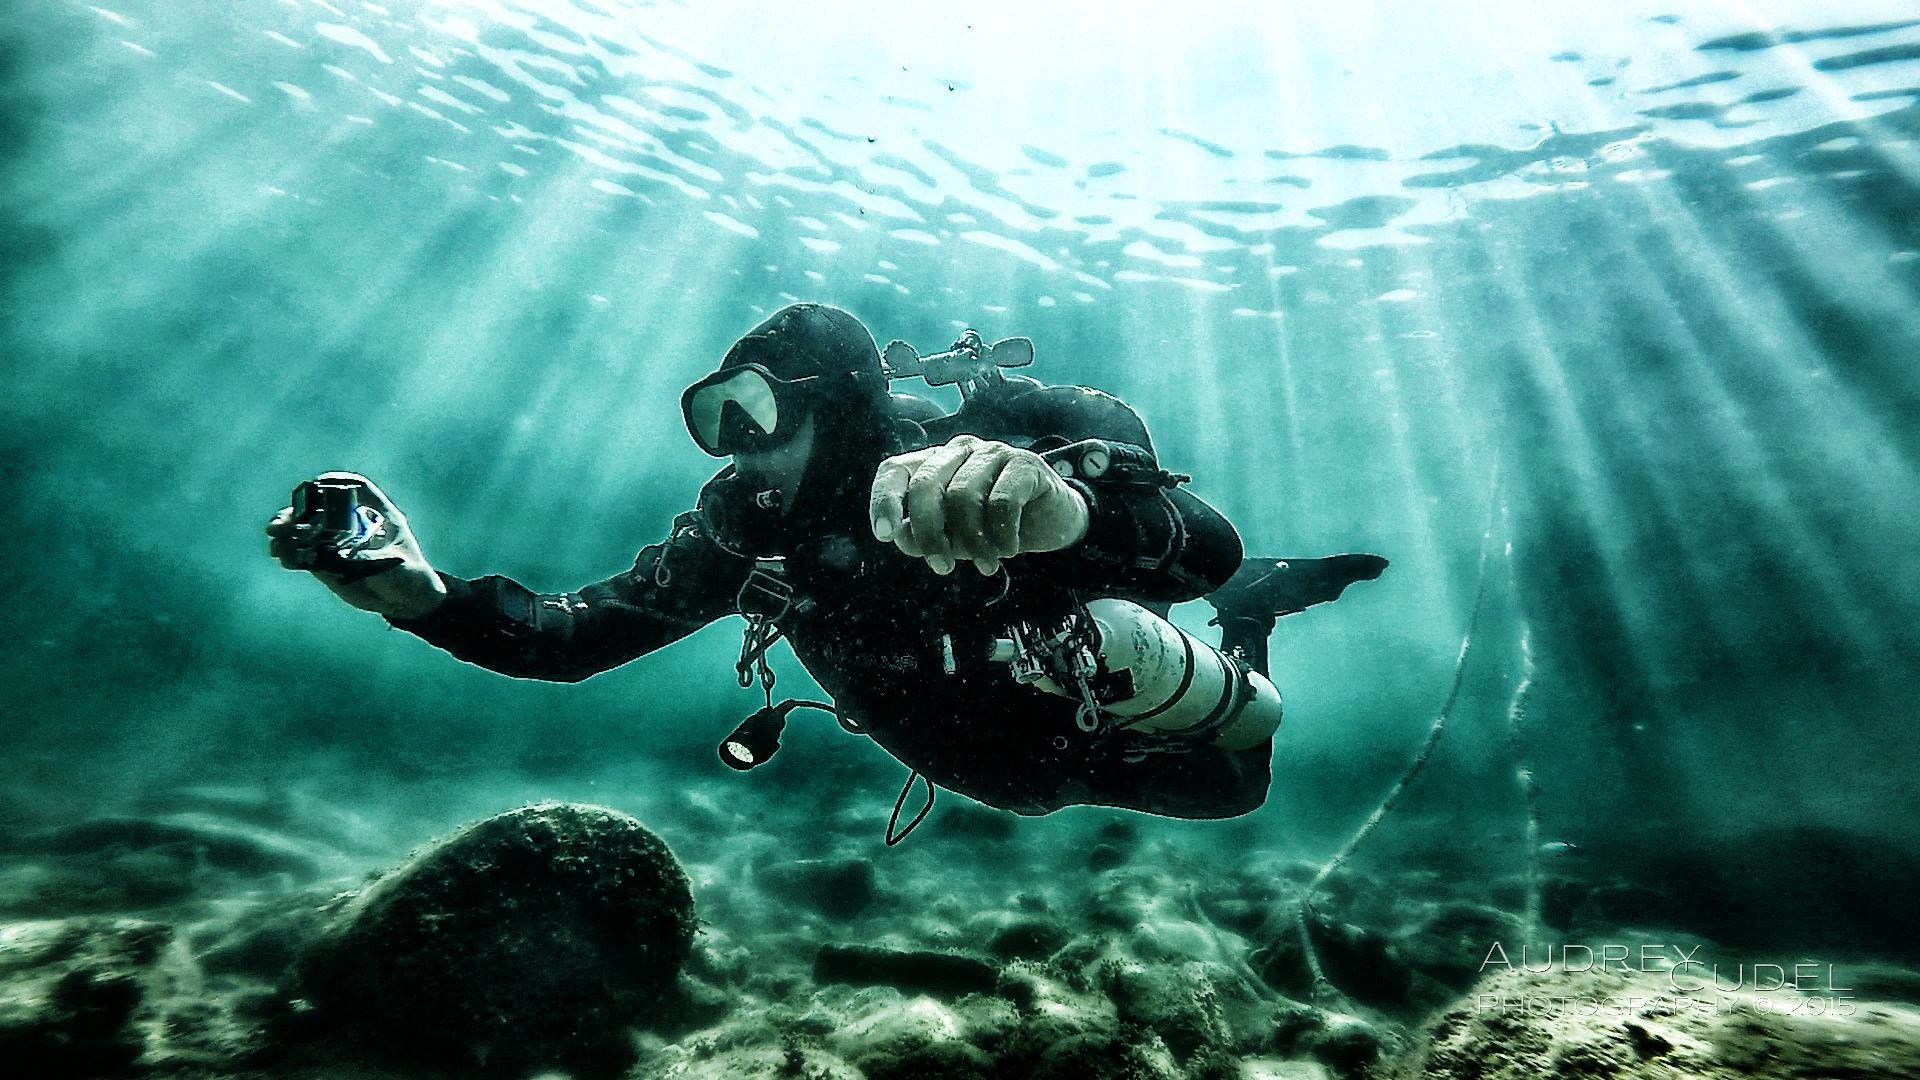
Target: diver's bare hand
974, 500
408, 589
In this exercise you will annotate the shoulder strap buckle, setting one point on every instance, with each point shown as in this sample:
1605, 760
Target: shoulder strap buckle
765, 596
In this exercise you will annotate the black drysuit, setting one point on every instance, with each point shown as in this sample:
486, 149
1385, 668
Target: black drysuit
903, 651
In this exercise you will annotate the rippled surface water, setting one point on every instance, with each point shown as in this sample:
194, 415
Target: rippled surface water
1657, 264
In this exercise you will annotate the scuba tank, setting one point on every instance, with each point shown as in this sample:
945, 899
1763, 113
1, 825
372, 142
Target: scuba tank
1136, 672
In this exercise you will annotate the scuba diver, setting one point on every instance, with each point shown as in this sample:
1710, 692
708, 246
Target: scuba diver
983, 592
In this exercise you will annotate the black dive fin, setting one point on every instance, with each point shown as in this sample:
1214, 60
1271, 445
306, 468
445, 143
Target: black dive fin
1269, 588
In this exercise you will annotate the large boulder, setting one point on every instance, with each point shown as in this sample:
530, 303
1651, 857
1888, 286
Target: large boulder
532, 939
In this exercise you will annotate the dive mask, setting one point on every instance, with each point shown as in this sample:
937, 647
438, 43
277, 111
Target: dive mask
743, 408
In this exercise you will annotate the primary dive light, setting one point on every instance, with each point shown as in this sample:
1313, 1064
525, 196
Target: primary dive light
756, 739
758, 736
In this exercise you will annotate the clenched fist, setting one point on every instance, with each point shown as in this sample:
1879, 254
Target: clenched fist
974, 500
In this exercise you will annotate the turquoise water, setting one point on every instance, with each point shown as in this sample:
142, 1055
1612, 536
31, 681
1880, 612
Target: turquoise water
1655, 266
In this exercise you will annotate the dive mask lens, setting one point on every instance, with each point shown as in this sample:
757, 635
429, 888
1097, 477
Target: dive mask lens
754, 417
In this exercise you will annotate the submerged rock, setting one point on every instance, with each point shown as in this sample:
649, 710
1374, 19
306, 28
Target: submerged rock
1028, 938
1346, 1045
911, 970
534, 938
836, 888
73, 993
1450, 944
1177, 1002
1103, 1055
1522, 1025
1361, 963
102, 997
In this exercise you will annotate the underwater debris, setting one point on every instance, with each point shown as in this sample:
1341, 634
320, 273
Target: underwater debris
534, 938
969, 821
1517, 750
1357, 960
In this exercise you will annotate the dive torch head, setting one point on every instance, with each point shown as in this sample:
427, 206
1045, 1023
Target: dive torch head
756, 739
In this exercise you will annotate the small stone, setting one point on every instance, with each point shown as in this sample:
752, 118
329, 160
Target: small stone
1028, 939
945, 1059
1103, 1055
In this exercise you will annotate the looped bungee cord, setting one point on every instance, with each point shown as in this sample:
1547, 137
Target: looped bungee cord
893, 821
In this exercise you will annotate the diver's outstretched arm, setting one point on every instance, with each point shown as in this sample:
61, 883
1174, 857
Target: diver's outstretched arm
674, 588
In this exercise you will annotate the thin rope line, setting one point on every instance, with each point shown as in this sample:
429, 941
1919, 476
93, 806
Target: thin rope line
1322, 986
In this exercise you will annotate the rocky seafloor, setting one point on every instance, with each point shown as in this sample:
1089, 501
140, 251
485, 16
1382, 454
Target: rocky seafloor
224, 932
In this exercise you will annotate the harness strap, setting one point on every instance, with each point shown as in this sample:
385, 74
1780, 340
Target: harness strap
1238, 691
1186, 680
